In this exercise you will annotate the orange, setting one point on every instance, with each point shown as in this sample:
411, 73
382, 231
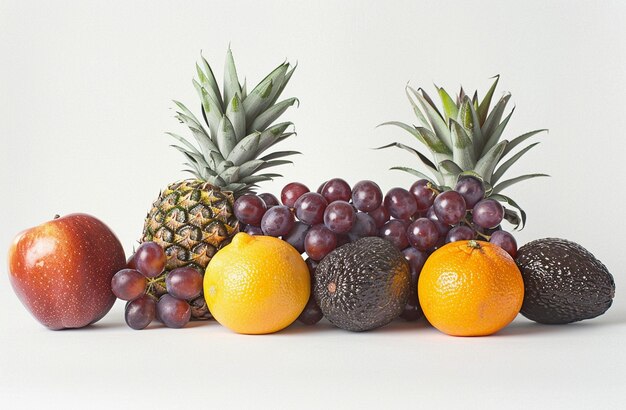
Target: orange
256, 284
470, 288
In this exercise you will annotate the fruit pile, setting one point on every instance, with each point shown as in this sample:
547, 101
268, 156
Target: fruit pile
211, 245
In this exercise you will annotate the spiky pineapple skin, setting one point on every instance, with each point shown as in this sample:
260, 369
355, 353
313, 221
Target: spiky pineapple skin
191, 220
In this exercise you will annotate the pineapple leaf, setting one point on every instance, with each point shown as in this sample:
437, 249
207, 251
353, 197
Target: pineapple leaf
506, 165
487, 163
237, 116
271, 135
505, 184
464, 116
207, 79
414, 172
244, 90
421, 156
518, 140
424, 135
493, 119
477, 134
483, 107
512, 217
438, 124
450, 109
430, 102
278, 89
261, 96
462, 150
186, 143
270, 115
230, 174
245, 150
497, 133
418, 112
275, 163
211, 110
250, 167
280, 154
508, 201
450, 167
231, 81
226, 139
259, 178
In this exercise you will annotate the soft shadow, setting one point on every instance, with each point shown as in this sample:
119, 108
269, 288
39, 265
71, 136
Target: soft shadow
528, 327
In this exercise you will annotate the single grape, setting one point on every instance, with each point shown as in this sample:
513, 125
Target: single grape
471, 189
339, 217
488, 213
460, 233
139, 313
506, 241
424, 194
253, 230
277, 221
249, 209
400, 203
128, 284
269, 199
395, 232
380, 215
416, 259
441, 227
311, 313
296, 237
449, 207
310, 208
319, 188
319, 242
291, 192
364, 225
423, 234
150, 259
336, 189
366, 196
184, 283
173, 312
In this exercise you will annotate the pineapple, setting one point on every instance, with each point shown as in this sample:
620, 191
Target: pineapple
193, 219
464, 139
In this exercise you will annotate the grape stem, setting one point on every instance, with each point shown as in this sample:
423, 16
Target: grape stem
482, 235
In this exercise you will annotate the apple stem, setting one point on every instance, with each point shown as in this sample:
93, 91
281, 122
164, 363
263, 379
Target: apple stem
57, 216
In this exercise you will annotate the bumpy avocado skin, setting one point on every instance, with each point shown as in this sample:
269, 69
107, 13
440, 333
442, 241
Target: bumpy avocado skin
362, 285
563, 282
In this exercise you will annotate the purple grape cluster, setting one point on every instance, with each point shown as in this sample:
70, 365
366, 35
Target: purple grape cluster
417, 221
144, 270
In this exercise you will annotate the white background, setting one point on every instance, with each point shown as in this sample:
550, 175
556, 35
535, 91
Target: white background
85, 99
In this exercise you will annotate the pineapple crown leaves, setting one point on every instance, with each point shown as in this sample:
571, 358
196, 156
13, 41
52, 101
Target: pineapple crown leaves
464, 138
237, 126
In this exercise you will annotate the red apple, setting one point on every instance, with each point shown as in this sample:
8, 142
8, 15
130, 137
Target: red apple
61, 270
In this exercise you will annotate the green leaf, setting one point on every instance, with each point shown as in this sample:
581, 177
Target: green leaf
237, 116
464, 116
424, 135
505, 184
231, 81
280, 86
414, 172
450, 109
418, 112
415, 152
506, 165
494, 117
487, 163
230, 174
186, 143
462, 150
258, 178
270, 115
207, 80
483, 107
508, 201
477, 134
497, 133
512, 217
271, 135
211, 109
226, 139
250, 167
245, 150
260, 97
450, 167
280, 154
274, 163
438, 124
518, 140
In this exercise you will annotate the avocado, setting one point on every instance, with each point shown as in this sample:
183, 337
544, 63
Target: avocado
563, 282
362, 285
